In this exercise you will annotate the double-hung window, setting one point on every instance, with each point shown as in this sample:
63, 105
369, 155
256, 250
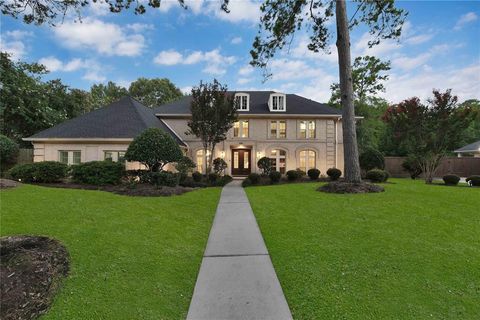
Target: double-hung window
307, 129
278, 129
69, 157
277, 102
242, 101
240, 129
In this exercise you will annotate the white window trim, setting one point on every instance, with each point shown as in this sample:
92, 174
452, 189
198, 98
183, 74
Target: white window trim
270, 102
248, 101
277, 136
70, 156
307, 130
307, 157
115, 154
240, 129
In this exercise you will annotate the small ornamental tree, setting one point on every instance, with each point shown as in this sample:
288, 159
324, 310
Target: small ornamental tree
213, 114
428, 131
8, 152
265, 164
154, 148
219, 166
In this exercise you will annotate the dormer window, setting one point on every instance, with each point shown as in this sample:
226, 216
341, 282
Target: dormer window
242, 101
277, 102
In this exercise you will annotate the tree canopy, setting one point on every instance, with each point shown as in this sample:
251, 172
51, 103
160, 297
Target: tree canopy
154, 92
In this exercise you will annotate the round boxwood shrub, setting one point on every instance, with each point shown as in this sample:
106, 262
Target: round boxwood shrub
42, 172
377, 175
164, 178
197, 176
246, 183
254, 178
293, 175
8, 152
265, 164
275, 177
473, 181
98, 172
23, 172
371, 158
334, 173
313, 173
451, 179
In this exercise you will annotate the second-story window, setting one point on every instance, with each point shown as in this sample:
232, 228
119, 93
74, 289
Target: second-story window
240, 129
278, 129
242, 102
307, 129
278, 103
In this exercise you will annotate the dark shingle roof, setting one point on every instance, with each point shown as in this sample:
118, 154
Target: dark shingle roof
258, 105
472, 147
125, 118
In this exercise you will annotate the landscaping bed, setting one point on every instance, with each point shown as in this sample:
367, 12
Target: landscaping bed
32, 269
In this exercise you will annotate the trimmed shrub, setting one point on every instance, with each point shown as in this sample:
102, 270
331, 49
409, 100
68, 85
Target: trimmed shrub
197, 176
23, 172
246, 183
275, 177
185, 165
377, 175
413, 167
98, 172
43, 172
8, 152
50, 171
451, 179
254, 178
223, 180
219, 166
164, 178
265, 164
301, 173
293, 175
190, 183
313, 174
473, 181
212, 178
334, 173
371, 159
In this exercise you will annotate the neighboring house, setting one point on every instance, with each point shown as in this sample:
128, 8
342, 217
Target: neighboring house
472, 149
293, 131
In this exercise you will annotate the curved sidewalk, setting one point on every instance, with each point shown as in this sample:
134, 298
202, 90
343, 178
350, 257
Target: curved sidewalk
236, 278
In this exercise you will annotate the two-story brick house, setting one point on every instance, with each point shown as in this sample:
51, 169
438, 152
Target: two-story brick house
293, 131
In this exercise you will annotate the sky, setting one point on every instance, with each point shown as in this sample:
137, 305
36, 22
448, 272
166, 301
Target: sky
439, 48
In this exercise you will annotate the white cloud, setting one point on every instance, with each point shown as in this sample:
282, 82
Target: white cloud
301, 51
168, 58
465, 83
53, 64
12, 42
465, 19
236, 40
99, 8
421, 38
240, 11
244, 80
140, 27
103, 37
409, 63
286, 69
246, 70
94, 76
216, 63
186, 90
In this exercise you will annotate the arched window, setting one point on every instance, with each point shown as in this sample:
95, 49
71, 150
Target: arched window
307, 160
279, 160
202, 161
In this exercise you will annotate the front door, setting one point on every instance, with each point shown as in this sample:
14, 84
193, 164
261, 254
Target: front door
241, 162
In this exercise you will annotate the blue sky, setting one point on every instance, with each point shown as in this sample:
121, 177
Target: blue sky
440, 48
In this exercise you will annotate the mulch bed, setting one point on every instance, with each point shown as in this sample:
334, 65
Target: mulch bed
346, 187
140, 189
32, 270
7, 184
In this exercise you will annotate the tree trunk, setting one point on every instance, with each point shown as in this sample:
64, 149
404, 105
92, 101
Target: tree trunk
350, 148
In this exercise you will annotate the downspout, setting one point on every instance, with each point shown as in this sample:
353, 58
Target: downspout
336, 141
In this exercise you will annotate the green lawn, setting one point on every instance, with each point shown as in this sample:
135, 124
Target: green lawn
131, 257
412, 252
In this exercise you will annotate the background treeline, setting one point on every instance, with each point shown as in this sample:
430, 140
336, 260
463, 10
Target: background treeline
29, 104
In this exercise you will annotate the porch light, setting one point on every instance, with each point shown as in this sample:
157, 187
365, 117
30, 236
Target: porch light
259, 154
222, 154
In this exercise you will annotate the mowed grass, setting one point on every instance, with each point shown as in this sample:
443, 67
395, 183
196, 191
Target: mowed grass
131, 257
412, 252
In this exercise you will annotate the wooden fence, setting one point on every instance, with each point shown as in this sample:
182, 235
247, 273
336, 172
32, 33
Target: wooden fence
25, 156
462, 167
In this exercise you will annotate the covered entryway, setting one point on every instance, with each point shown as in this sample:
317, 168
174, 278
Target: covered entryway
241, 162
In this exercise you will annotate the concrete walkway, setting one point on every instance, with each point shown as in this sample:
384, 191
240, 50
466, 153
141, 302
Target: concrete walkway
236, 278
